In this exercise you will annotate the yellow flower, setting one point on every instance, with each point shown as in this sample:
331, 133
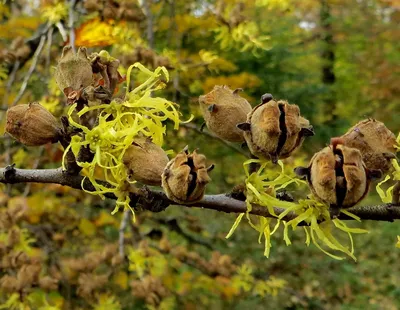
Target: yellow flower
54, 13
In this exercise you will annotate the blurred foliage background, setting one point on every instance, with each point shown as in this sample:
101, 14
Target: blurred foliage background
61, 249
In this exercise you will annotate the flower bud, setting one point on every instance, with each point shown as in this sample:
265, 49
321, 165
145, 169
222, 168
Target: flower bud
74, 71
222, 110
275, 129
185, 177
145, 161
338, 176
32, 125
375, 142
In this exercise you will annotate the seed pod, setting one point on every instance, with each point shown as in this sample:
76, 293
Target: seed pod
275, 129
222, 110
375, 142
185, 177
145, 161
32, 125
73, 70
338, 176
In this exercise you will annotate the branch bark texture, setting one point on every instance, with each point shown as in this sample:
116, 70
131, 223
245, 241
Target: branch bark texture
220, 202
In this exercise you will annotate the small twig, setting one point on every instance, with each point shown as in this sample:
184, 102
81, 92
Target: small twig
149, 15
48, 47
71, 24
62, 31
121, 241
10, 82
211, 135
35, 59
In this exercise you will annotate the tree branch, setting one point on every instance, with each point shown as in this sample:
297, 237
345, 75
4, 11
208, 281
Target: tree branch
35, 59
156, 201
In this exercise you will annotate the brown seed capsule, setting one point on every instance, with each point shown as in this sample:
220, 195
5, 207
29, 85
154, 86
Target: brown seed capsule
222, 110
145, 161
32, 125
73, 70
48, 283
338, 176
185, 177
375, 142
275, 129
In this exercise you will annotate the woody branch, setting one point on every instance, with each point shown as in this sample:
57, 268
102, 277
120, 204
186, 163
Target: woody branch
156, 201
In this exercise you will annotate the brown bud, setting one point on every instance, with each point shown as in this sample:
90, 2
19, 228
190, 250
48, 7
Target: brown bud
28, 275
19, 50
185, 177
132, 15
338, 176
275, 129
222, 110
32, 125
145, 161
92, 5
9, 284
73, 70
48, 283
375, 142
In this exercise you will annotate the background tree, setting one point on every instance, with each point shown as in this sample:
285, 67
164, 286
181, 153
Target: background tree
61, 248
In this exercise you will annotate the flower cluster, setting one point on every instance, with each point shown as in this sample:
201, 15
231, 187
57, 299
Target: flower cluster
118, 124
313, 216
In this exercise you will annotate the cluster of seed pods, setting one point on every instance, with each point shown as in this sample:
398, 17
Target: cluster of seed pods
338, 175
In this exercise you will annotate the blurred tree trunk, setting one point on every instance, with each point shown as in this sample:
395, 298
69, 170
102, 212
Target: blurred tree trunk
328, 62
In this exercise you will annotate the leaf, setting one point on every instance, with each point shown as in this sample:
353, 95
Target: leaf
107, 302
87, 227
95, 33
105, 218
55, 12
121, 279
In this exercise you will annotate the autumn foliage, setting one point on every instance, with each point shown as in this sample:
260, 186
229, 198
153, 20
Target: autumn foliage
146, 111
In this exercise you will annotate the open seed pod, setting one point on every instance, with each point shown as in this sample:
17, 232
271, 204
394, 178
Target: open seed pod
185, 177
275, 129
73, 70
338, 176
375, 142
145, 161
32, 125
222, 110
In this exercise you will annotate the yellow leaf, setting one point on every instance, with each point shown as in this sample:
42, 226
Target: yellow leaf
398, 242
95, 33
105, 218
87, 227
121, 279
19, 26
55, 12
21, 158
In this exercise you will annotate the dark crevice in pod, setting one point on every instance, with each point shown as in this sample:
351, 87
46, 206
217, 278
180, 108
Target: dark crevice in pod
282, 127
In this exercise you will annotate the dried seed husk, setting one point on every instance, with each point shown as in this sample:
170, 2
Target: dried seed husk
222, 110
73, 71
32, 125
275, 129
185, 177
338, 176
145, 161
375, 142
